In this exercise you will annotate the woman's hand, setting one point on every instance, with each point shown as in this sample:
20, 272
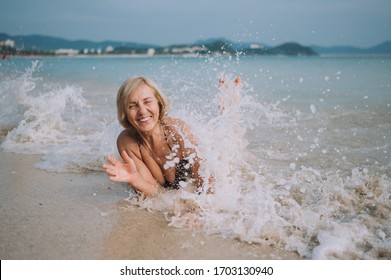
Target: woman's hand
122, 171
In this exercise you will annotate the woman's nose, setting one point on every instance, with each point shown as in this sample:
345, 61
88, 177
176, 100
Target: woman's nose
142, 108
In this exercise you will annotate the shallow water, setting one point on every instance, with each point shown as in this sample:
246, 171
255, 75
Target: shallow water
301, 162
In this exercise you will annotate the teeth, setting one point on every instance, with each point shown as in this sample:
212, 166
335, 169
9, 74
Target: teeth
145, 119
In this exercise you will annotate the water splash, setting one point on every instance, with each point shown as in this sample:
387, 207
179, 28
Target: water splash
317, 213
55, 122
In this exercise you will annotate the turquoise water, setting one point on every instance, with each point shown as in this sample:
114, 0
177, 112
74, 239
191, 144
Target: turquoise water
301, 162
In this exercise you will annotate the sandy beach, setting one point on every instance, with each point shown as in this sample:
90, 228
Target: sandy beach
53, 216
48, 216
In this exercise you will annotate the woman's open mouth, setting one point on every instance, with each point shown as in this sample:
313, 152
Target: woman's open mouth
144, 119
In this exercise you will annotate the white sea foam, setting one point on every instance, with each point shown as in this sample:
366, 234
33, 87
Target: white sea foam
55, 123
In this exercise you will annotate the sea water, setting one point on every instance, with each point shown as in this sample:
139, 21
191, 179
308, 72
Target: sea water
301, 161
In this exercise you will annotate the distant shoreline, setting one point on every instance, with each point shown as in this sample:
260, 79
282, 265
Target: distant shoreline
40, 45
375, 55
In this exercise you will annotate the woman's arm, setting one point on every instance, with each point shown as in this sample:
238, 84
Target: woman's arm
127, 172
132, 170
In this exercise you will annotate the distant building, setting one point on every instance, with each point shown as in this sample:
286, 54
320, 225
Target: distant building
7, 48
66, 52
109, 49
186, 49
150, 51
8, 43
256, 46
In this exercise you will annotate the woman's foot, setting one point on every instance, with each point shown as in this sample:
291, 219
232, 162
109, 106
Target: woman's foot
229, 94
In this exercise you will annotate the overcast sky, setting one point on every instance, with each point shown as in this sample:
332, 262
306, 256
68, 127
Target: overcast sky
361, 23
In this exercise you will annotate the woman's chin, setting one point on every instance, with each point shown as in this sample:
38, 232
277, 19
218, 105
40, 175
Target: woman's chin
147, 127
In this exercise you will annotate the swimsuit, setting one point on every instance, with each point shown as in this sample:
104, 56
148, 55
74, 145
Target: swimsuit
181, 174
182, 170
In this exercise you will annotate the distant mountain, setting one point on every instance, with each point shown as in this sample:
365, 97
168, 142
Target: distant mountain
235, 45
383, 48
49, 43
290, 49
337, 50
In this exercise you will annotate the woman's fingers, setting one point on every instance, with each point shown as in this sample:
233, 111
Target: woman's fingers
112, 160
113, 171
114, 179
120, 171
109, 170
126, 157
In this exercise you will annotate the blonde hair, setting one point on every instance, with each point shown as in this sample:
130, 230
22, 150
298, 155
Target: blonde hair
128, 88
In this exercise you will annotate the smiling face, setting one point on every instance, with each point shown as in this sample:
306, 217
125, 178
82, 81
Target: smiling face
143, 109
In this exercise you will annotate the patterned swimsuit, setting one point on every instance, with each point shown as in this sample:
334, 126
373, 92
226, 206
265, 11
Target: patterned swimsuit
182, 171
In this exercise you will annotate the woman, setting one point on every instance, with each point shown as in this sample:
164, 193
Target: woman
157, 151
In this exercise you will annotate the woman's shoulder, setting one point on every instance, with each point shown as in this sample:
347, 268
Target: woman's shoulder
127, 139
127, 134
179, 129
129, 142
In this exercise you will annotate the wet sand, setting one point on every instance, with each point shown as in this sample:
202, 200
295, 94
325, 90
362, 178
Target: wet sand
84, 216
